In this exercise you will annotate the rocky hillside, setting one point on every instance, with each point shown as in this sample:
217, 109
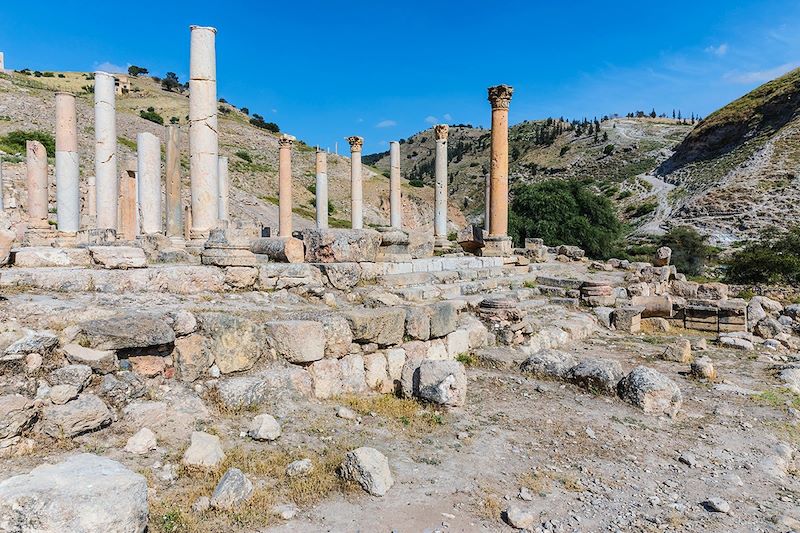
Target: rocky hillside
27, 103
736, 172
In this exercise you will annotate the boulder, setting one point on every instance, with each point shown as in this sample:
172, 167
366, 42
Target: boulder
204, 452
341, 245
299, 468
737, 343
599, 376
679, 351
100, 361
662, 256
297, 341
232, 490
703, 368
573, 252
369, 468
264, 427
382, 326
443, 383
17, 413
125, 331
123, 257
142, 442
86, 413
547, 363
768, 328
193, 356
650, 391
84, 493
236, 343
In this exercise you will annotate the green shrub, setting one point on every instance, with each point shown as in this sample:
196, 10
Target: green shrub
244, 155
416, 183
642, 209
152, 116
564, 150
14, 142
690, 251
565, 212
774, 258
608, 149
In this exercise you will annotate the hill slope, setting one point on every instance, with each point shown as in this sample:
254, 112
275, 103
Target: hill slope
27, 103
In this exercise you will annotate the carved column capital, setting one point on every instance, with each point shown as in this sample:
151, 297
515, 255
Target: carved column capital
500, 96
356, 143
440, 131
285, 141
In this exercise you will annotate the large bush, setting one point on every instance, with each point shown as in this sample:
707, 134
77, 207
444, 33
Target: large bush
690, 251
14, 142
565, 212
774, 258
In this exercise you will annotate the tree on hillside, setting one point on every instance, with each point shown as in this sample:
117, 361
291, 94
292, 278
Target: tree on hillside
135, 71
653, 113
565, 212
171, 82
690, 251
259, 122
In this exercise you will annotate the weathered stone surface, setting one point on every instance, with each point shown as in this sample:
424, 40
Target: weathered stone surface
120, 388
679, 351
264, 427
684, 289
703, 368
650, 391
654, 306
768, 328
61, 394
271, 385
736, 343
148, 366
376, 373
182, 322
327, 378
338, 335
712, 291
662, 256
86, 413
240, 277
85, 493
193, 356
382, 326
17, 414
299, 468
297, 341
443, 383
77, 375
369, 468
755, 313
596, 375
573, 252
418, 323
628, 318
395, 359
33, 342
142, 442
548, 363
47, 256
125, 331
354, 379
341, 245
236, 342
342, 276
444, 318
232, 490
205, 451
123, 257
101, 361
6, 242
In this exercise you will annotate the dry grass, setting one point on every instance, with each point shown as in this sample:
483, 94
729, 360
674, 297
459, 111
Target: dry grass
402, 412
489, 507
541, 482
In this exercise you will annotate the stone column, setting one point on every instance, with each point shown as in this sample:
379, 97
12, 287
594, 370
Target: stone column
356, 190
2, 200
36, 181
499, 96
68, 185
285, 185
322, 189
203, 132
91, 198
224, 189
395, 200
173, 186
440, 192
148, 174
487, 206
128, 225
105, 151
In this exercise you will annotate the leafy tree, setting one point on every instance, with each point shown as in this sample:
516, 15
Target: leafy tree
171, 82
174, 120
773, 258
565, 212
135, 71
259, 122
245, 111
690, 251
14, 142
152, 116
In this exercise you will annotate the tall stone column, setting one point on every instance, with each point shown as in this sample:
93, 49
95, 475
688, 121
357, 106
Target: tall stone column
105, 151
224, 189
440, 191
36, 181
285, 185
2, 200
498, 243
173, 186
321, 191
68, 185
356, 187
395, 200
148, 174
487, 205
91, 199
203, 131
128, 225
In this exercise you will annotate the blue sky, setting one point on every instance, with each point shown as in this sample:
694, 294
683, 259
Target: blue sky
385, 70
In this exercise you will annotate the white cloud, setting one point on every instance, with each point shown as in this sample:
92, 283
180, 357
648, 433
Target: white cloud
760, 76
274, 110
386, 124
448, 117
111, 68
718, 51
359, 120
430, 119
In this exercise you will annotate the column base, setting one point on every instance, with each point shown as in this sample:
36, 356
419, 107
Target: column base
442, 244
97, 237
394, 245
497, 246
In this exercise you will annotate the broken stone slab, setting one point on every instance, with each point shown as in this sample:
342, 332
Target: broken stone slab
39, 342
599, 376
679, 351
651, 391
48, 256
338, 336
84, 493
236, 342
232, 490
61, 394
628, 319
297, 341
341, 245
443, 383
228, 257
86, 413
369, 468
204, 452
17, 414
100, 361
712, 291
193, 356
382, 326
662, 256
342, 276
125, 331
121, 257
394, 245
76, 375
551, 364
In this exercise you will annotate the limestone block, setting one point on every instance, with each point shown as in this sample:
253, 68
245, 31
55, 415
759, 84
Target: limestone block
341, 245
47, 256
297, 341
443, 383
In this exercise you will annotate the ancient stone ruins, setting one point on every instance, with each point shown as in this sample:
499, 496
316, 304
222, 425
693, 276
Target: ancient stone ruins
166, 368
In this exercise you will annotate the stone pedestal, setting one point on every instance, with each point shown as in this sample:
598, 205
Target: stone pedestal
356, 187
173, 186
219, 252
499, 97
203, 132
149, 182
68, 186
394, 245
395, 198
471, 239
285, 185
105, 151
440, 241
497, 247
36, 181
321, 190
